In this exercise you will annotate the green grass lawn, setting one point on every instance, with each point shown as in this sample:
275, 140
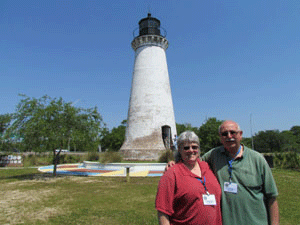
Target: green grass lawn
28, 197
288, 183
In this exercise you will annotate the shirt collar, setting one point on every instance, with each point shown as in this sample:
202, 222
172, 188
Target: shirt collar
186, 172
224, 151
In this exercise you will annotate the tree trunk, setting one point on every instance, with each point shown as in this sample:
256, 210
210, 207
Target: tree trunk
55, 157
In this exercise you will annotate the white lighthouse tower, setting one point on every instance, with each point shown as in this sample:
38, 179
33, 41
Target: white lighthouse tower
151, 121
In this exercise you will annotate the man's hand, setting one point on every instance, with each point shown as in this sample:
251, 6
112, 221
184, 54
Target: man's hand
170, 164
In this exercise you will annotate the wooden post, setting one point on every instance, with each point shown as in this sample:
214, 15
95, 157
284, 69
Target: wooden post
128, 173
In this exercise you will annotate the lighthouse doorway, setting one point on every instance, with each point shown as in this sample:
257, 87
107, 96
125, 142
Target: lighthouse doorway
167, 136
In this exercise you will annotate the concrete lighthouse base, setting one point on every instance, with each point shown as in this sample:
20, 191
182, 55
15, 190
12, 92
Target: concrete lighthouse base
144, 148
142, 154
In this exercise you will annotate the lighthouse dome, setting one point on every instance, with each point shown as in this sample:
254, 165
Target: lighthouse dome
149, 25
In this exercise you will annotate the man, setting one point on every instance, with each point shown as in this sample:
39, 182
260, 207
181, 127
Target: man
175, 142
248, 188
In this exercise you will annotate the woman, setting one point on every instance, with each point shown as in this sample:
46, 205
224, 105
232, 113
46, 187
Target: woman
189, 193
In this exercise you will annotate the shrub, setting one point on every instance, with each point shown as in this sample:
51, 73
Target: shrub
41, 159
287, 160
166, 156
110, 157
93, 156
73, 159
37, 159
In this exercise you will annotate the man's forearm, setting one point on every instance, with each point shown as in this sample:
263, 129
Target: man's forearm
273, 211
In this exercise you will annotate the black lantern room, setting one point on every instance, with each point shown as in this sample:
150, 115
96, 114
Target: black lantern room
149, 25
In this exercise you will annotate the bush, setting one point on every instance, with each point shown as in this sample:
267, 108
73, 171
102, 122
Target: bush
166, 156
69, 158
288, 160
93, 156
42, 159
61, 159
73, 159
32, 160
37, 159
110, 157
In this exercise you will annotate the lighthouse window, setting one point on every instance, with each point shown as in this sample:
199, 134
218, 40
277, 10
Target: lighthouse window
151, 24
143, 25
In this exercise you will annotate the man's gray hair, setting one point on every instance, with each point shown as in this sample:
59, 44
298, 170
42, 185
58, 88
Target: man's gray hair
238, 126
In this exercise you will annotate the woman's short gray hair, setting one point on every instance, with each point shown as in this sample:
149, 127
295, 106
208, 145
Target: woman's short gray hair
187, 136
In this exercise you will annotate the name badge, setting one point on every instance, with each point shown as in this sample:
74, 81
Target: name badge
230, 187
209, 200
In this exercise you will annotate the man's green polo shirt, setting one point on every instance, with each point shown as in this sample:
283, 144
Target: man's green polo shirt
255, 183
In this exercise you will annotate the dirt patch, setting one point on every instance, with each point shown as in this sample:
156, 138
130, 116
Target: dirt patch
14, 211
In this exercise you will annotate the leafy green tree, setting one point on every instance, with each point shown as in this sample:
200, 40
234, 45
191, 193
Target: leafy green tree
113, 140
269, 141
184, 127
247, 141
47, 123
289, 141
5, 121
296, 132
209, 134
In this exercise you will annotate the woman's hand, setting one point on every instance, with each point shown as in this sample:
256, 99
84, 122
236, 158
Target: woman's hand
163, 219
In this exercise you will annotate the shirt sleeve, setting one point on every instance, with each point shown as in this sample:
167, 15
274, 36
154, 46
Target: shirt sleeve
207, 157
270, 189
165, 193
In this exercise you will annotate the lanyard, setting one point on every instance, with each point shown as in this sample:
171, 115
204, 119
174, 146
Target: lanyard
230, 164
203, 182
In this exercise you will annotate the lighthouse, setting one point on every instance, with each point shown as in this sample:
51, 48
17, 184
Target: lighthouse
151, 121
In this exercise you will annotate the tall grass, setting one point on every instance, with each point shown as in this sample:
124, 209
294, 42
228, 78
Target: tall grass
110, 157
37, 159
166, 156
42, 159
287, 160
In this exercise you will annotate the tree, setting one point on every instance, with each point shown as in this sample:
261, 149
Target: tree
209, 134
5, 121
296, 132
184, 127
269, 141
289, 141
247, 141
47, 123
113, 140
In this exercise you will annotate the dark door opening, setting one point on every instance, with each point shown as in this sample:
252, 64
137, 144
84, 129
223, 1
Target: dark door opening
167, 136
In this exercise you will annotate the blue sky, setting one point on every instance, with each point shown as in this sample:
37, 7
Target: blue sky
226, 59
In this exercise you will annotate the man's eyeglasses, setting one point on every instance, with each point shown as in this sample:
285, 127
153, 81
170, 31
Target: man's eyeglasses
194, 147
232, 132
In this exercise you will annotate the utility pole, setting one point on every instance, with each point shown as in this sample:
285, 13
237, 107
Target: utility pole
251, 131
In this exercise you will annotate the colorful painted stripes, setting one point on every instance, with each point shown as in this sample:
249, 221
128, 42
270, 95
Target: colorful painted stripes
108, 170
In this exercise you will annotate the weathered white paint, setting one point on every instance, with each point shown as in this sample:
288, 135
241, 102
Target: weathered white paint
150, 105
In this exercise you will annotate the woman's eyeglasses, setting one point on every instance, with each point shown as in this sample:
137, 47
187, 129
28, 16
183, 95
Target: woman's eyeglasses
194, 147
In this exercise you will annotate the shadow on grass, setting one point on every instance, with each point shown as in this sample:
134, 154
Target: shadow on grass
26, 174
49, 176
